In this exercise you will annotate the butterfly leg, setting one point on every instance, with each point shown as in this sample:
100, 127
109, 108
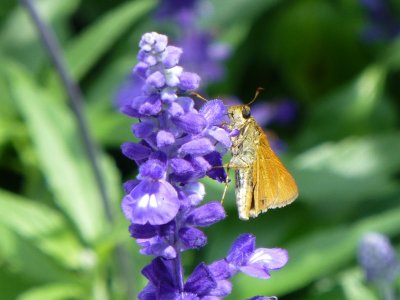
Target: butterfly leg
227, 181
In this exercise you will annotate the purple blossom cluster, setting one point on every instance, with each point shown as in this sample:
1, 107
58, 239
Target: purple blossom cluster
383, 24
202, 52
177, 146
378, 258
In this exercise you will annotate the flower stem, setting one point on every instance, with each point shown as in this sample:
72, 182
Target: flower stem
179, 271
178, 259
387, 291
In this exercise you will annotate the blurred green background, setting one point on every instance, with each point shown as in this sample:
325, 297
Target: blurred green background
343, 148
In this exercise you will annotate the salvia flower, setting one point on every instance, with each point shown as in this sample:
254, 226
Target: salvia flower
178, 145
382, 24
202, 52
378, 258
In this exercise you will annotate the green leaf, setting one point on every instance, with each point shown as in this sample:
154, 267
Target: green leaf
391, 56
353, 283
235, 18
86, 49
336, 176
226, 12
63, 160
349, 110
56, 291
43, 227
27, 45
21, 256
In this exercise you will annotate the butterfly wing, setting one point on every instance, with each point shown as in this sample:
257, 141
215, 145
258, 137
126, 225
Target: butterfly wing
273, 185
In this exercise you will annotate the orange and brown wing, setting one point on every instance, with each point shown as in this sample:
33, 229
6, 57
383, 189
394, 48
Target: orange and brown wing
273, 185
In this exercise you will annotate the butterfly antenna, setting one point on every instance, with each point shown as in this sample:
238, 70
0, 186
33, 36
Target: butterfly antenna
258, 91
199, 96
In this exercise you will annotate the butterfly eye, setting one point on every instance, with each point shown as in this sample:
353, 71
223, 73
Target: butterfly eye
246, 112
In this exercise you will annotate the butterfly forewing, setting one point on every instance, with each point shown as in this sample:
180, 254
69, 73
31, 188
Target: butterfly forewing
273, 184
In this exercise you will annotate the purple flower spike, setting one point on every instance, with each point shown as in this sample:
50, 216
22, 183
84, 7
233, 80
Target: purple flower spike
178, 146
378, 258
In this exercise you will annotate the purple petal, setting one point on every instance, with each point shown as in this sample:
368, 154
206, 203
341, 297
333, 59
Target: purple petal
241, 249
143, 129
161, 42
197, 147
186, 103
195, 192
201, 281
159, 247
148, 293
175, 109
192, 238
167, 230
255, 271
164, 138
206, 214
153, 40
155, 202
213, 111
150, 108
153, 168
168, 94
129, 185
135, 151
272, 259
220, 269
141, 69
172, 76
221, 136
146, 231
147, 58
156, 79
181, 167
223, 289
189, 81
201, 164
217, 171
234, 133
160, 271
130, 111
160, 155
171, 56
192, 123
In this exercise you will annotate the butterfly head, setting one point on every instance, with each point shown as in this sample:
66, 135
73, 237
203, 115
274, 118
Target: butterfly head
238, 115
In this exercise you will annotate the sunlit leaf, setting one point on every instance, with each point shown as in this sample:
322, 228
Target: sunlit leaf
56, 291
43, 227
58, 146
88, 47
